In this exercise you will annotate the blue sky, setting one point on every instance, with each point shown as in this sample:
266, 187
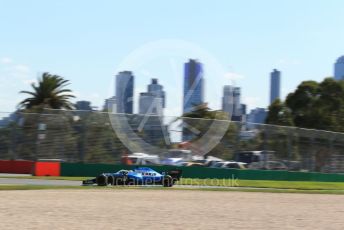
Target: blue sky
86, 42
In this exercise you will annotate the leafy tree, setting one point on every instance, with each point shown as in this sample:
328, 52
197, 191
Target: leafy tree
279, 114
313, 105
318, 105
50, 92
199, 122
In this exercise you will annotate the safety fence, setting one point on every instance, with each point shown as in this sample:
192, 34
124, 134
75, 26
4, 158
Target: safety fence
96, 137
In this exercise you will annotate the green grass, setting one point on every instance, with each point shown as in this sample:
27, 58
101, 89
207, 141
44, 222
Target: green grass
302, 185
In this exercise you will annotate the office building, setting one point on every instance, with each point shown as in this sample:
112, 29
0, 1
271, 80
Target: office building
275, 85
110, 105
231, 103
153, 101
83, 105
124, 92
150, 122
339, 69
150, 104
157, 90
228, 100
257, 115
193, 85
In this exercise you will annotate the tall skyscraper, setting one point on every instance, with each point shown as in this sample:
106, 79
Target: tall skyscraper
231, 103
339, 69
228, 100
150, 104
237, 110
275, 85
157, 90
124, 92
193, 85
153, 101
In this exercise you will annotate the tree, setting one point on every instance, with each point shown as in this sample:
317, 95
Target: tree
49, 93
204, 121
198, 121
279, 114
318, 105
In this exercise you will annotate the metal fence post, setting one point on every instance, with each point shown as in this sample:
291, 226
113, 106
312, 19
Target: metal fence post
13, 139
312, 153
290, 151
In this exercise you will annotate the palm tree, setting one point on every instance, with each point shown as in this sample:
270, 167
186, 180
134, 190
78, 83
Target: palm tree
200, 118
49, 93
201, 111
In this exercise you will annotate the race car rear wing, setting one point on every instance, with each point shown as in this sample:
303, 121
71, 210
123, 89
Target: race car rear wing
176, 174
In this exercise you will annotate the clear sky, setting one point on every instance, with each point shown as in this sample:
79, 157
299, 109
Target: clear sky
86, 42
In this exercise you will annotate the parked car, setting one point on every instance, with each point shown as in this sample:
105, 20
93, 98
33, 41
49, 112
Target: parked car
188, 164
254, 156
230, 164
141, 159
218, 164
234, 165
268, 165
176, 156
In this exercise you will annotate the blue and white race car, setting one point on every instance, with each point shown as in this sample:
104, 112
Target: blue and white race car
138, 176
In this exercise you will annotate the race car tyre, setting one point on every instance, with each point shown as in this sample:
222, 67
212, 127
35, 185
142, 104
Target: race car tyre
168, 181
130, 182
111, 180
120, 180
102, 180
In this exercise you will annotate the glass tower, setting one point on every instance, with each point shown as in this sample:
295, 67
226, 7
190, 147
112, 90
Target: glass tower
275, 85
193, 85
339, 69
124, 92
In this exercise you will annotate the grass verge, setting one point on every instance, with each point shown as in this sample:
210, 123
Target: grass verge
302, 185
222, 189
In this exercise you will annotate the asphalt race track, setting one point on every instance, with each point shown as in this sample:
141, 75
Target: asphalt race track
24, 181
16, 181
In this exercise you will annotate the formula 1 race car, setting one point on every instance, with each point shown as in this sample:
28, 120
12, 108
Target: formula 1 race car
138, 176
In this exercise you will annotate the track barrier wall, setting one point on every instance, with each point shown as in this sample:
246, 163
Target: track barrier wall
47, 169
16, 166
92, 170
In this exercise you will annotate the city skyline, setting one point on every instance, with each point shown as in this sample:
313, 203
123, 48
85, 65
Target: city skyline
293, 40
